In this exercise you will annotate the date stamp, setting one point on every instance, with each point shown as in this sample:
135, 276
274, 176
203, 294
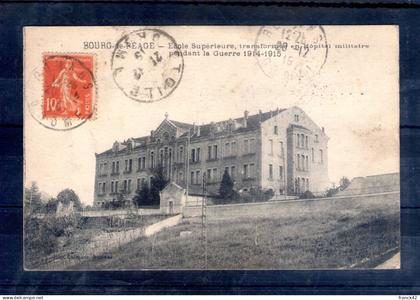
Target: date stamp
299, 53
143, 66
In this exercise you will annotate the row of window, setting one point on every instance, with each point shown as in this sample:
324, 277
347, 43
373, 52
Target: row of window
272, 150
126, 186
301, 185
165, 156
271, 172
212, 174
302, 162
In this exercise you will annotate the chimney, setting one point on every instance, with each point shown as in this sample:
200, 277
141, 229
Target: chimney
151, 133
260, 113
323, 129
246, 113
198, 130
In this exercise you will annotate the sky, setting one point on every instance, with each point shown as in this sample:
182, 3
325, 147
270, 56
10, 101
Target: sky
355, 96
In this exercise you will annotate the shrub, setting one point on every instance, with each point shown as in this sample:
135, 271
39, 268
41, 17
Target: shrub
307, 195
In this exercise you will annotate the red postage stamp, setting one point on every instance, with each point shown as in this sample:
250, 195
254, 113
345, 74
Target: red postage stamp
68, 86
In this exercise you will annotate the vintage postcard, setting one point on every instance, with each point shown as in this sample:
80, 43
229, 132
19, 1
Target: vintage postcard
211, 147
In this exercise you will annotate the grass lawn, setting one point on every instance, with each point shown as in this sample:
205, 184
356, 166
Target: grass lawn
318, 234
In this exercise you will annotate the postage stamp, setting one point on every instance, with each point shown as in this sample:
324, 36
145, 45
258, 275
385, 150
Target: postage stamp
68, 86
143, 67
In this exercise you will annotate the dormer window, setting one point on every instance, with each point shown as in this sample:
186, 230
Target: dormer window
296, 118
276, 130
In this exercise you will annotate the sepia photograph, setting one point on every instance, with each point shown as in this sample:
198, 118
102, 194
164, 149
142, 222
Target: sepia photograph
211, 148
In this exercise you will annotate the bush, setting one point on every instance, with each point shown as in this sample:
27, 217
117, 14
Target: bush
307, 195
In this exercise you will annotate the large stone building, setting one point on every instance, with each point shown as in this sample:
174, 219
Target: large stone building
282, 150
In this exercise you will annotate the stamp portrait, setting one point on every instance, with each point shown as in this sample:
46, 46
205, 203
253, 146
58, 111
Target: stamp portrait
68, 86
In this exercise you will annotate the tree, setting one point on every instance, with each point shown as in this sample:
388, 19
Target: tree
68, 195
142, 196
344, 183
33, 201
157, 183
226, 186
51, 206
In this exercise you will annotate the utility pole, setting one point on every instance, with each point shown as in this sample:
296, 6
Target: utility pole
204, 220
188, 162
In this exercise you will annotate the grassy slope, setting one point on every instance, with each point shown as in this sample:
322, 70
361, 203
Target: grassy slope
317, 235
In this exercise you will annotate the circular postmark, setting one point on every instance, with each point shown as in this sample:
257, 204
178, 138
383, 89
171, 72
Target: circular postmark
295, 53
143, 66
68, 91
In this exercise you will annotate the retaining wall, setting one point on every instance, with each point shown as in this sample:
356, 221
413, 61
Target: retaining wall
294, 207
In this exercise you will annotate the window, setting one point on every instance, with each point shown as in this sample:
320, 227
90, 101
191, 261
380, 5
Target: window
270, 171
197, 154
246, 146
138, 184
192, 177
181, 154
281, 149
281, 172
209, 152
271, 146
103, 188
99, 187
118, 167
313, 155
321, 156
302, 140
152, 159
130, 165
233, 148
297, 140
252, 145
298, 162
192, 155
215, 177
125, 185
181, 176
198, 177
246, 175
112, 187
296, 118
208, 175
143, 165
306, 163
129, 185
227, 149
252, 170
139, 164
306, 142
316, 138
161, 156
276, 130
227, 170
126, 165
116, 187
232, 172
113, 167
215, 151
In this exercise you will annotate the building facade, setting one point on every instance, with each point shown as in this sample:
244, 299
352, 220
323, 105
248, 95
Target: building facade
282, 150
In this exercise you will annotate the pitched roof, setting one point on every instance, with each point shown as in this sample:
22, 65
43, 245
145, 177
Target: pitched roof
253, 122
181, 124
